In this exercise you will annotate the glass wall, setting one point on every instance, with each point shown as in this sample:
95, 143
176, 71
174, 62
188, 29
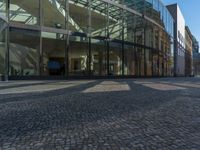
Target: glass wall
89, 38
24, 52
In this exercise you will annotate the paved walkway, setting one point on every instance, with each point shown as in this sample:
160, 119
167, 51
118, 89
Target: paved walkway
100, 114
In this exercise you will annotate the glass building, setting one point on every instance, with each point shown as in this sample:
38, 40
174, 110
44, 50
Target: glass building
85, 38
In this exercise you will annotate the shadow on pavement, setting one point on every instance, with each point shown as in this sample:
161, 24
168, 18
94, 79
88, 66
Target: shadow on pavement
70, 107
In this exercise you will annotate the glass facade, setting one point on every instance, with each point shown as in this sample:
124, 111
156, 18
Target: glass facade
88, 38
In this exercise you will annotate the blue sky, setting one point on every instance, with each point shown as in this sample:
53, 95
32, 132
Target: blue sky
191, 12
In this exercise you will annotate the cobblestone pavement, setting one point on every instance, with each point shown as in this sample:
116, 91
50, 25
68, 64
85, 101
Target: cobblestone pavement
100, 114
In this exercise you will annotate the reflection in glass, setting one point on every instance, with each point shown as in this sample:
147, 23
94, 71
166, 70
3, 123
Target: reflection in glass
129, 26
53, 57
129, 60
140, 67
2, 48
155, 62
3, 4
148, 57
24, 52
78, 18
54, 13
115, 59
98, 57
104, 39
115, 22
78, 56
99, 19
24, 11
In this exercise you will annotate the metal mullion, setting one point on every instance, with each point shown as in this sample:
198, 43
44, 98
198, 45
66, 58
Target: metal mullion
123, 55
107, 41
67, 38
152, 72
7, 40
89, 35
145, 61
41, 43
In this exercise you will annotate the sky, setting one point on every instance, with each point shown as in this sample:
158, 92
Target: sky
191, 12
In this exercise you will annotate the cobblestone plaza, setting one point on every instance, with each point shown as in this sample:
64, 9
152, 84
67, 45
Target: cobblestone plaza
100, 114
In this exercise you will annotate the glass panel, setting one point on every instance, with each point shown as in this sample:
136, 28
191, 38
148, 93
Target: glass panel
161, 9
160, 64
156, 41
155, 4
155, 11
118, 1
139, 34
129, 26
3, 8
24, 52
171, 57
53, 46
115, 59
2, 47
99, 19
25, 11
54, 13
165, 19
139, 55
137, 5
129, 61
149, 35
79, 16
98, 57
78, 56
155, 62
148, 8
148, 57
115, 22
165, 59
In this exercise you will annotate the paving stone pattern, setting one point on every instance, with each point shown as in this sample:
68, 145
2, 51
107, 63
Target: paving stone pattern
123, 114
